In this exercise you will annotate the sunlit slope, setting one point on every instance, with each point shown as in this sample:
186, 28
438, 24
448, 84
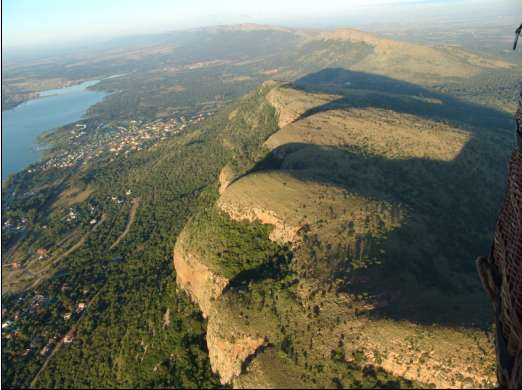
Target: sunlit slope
370, 199
415, 171
366, 52
379, 132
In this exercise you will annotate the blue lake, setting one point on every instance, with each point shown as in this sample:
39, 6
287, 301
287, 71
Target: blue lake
22, 125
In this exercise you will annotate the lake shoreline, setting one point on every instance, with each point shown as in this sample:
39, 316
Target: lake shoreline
24, 124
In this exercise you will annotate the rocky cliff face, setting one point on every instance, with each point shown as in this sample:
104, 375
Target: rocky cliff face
226, 176
192, 275
441, 357
282, 232
227, 354
227, 357
314, 321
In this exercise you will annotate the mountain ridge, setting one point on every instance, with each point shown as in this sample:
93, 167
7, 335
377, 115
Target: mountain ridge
282, 190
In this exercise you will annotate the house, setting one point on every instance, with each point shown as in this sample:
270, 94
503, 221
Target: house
38, 298
67, 316
41, 253
7, 324
80, 307
69, 337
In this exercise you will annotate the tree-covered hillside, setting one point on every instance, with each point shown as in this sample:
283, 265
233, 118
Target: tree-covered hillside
137, 330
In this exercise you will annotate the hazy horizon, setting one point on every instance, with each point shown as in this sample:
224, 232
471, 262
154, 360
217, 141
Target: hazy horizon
60, 23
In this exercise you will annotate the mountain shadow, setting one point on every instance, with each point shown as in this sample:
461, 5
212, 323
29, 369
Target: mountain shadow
366, 90
425, 268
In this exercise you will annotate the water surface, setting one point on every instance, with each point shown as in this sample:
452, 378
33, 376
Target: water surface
22, 125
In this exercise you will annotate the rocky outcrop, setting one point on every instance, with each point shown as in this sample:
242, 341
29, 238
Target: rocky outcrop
192, 275
289, 204
281, 233
442, 357
285, 114
329, 229
226, 176
227, 357
204, 287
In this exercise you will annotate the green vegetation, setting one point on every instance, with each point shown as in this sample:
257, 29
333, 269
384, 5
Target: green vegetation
229, 247
381, 258
376, 185
123, 338
495, 88
320, 54
271, 305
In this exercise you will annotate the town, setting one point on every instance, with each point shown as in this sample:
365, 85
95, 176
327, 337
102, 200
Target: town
35, 306
82, 143
115, 139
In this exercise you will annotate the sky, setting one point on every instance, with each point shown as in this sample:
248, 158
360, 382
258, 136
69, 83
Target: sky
47, 22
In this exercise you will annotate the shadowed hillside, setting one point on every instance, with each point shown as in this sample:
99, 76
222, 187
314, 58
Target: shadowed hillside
379, 194
432, 249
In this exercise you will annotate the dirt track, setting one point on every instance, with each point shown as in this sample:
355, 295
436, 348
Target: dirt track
132, 217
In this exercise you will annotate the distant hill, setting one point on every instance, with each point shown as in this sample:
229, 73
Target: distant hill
412, 62
270, 52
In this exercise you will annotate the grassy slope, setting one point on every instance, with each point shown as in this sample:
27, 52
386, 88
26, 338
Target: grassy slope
381, 196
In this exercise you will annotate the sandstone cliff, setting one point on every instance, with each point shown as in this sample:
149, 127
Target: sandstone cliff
325, 315
192, 275
227, 357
